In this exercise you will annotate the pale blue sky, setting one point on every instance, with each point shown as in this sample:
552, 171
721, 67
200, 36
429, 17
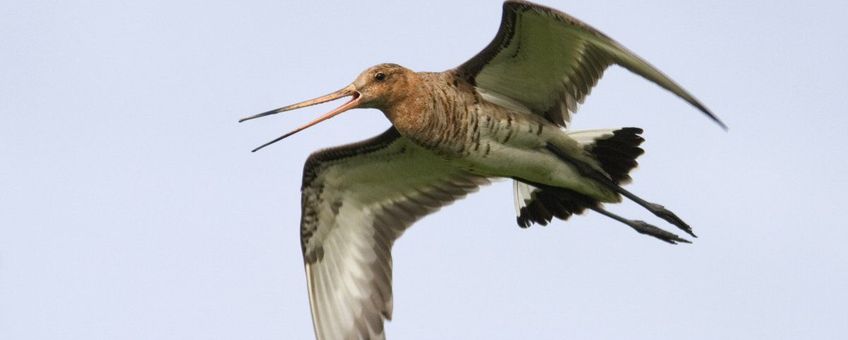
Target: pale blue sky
132, 208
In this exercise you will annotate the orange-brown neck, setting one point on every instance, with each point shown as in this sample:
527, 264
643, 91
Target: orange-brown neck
406, 106
436, 110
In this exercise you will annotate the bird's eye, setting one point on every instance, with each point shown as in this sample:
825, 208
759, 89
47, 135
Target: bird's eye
380, 76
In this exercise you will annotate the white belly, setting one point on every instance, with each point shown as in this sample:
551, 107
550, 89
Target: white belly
523, 156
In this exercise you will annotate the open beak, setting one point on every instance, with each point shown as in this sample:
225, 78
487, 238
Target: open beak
350, 90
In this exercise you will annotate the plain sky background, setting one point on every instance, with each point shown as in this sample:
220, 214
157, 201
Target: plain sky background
132, 208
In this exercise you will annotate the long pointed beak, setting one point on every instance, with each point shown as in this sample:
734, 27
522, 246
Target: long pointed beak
349, 90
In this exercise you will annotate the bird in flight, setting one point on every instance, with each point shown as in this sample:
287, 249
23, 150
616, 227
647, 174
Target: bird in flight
501, 114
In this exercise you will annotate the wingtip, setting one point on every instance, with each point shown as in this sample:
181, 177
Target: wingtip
717, 121
701, 107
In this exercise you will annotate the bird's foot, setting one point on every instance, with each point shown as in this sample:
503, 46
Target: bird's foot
663, 213
644, 228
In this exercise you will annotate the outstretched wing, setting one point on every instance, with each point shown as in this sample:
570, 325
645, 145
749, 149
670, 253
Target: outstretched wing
549, 61
357, 200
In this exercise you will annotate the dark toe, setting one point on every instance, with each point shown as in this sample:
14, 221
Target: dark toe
650, 230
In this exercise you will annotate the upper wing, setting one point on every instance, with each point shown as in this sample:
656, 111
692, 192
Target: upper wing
549, 61
357, 199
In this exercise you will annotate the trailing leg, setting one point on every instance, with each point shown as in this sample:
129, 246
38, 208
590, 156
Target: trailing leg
548, 202
613, 183
643, 228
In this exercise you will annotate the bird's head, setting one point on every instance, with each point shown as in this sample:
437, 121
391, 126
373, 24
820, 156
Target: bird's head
378, 87
383, 85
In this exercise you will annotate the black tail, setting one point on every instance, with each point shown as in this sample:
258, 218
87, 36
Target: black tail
615, 154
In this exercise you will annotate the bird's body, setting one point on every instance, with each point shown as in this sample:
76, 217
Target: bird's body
501, 114
444, 114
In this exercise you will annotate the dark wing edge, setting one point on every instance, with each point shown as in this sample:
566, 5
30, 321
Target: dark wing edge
357, 200
598, 52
